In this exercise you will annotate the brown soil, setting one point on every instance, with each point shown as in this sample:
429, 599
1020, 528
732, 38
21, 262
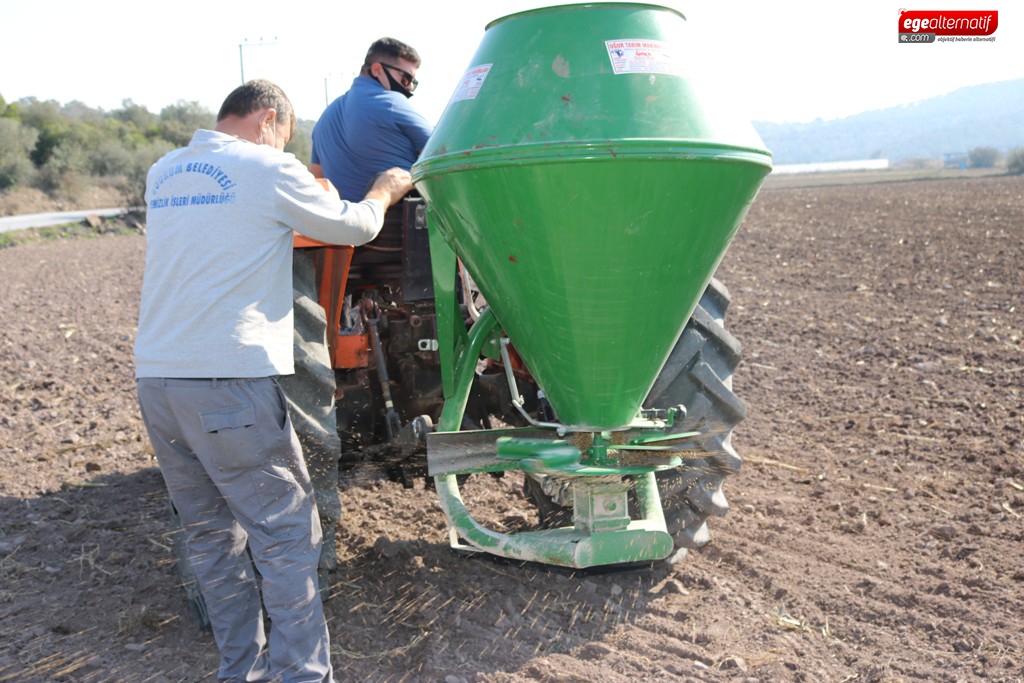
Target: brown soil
876, 527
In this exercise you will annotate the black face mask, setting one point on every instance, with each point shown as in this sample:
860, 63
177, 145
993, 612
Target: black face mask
395, 84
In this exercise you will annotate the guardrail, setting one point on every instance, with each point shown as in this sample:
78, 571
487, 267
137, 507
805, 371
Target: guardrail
42, 220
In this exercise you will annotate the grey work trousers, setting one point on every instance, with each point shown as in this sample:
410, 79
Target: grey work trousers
234, 470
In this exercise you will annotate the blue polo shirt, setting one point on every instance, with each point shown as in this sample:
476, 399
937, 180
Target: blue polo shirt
367, 130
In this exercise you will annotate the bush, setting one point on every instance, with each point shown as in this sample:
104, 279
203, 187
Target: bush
16, 144
64, 170
137, 117
1015, 160
133, 187
178, 122
301, 144
111, 158
983, 157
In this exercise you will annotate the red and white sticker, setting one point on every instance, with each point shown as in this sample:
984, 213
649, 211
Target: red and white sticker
949, 22
472, 81
641, 56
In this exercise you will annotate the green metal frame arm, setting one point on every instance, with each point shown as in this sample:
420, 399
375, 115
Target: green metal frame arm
464, 370
644, 540
451, 331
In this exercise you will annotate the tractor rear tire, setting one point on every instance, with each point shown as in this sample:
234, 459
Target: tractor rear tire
698, 375
310, 395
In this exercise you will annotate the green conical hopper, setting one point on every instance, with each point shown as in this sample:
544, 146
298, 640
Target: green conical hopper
591, 188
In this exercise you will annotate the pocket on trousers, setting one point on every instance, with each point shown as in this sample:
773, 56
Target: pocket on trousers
232, 417
284, 415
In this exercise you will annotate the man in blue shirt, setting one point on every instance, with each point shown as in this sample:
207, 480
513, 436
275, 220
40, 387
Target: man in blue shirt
372, 127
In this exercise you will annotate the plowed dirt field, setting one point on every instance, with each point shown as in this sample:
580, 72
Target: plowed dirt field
876, 530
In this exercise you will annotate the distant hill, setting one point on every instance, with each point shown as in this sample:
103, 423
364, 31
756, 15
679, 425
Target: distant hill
990, 115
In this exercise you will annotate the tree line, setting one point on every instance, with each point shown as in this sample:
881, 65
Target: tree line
63, 149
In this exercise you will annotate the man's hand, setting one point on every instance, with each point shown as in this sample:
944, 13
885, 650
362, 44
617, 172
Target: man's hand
390, 186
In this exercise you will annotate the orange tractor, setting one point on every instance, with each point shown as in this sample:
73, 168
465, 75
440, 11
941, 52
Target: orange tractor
591, 189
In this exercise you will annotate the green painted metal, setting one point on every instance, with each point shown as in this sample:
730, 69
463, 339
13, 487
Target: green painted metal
562, 459
641, 540
464, 369
451, 332
592, 188
602, 533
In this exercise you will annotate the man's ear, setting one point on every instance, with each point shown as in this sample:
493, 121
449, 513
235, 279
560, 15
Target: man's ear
268, 117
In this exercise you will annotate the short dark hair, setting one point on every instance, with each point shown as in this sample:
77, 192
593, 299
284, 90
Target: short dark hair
389, 48
258, 94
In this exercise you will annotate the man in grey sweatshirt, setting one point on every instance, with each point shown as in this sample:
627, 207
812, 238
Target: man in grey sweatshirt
215, 326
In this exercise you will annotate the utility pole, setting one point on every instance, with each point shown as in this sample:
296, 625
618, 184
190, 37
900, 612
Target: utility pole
341, 79
245, 43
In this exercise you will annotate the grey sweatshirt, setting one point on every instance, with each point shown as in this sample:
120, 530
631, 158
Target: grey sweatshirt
217, 290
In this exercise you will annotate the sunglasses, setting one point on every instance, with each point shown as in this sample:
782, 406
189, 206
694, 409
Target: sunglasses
407, 80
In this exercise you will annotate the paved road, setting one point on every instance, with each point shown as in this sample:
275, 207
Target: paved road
41, 220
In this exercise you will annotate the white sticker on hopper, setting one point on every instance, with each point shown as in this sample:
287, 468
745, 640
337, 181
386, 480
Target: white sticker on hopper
471, 83
639, 56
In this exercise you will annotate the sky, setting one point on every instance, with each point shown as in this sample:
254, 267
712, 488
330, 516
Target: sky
783, 62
